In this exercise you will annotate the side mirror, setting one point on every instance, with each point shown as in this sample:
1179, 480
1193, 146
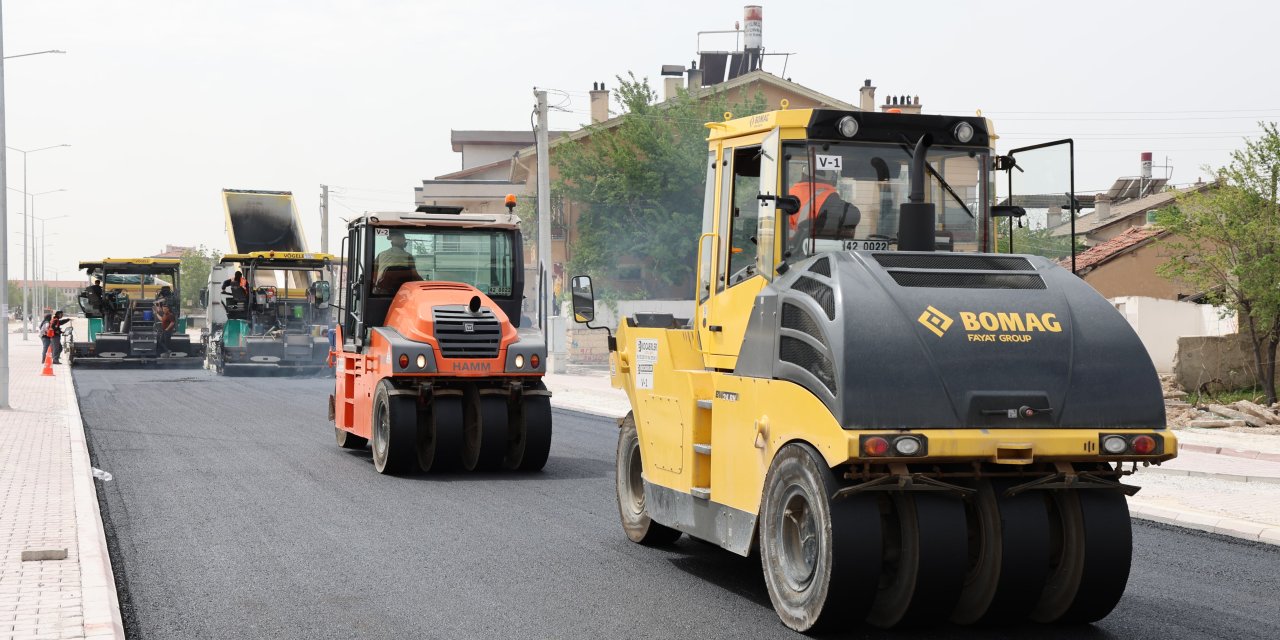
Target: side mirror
321, 292
1007, 211
789, 205
584, 300
204, 297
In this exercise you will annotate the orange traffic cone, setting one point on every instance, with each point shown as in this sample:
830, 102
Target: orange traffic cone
48, 363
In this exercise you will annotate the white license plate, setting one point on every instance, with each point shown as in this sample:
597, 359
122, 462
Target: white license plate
866, 245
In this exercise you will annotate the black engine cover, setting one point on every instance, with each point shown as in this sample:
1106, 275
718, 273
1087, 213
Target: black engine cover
950, 340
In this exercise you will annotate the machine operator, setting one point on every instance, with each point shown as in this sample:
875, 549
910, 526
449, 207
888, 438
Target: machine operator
394, 266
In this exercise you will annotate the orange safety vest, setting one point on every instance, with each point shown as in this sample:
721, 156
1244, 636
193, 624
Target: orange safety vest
166, 320
802, 190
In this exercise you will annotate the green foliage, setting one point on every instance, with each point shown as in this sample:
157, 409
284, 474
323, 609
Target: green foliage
1036, 242
1252, 394
640, 184
196, 264
1226, 241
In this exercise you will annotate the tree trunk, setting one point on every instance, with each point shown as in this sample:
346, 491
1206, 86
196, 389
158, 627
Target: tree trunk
1268, 372
1261, 363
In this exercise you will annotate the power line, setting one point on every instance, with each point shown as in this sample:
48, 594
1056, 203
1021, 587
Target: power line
367, 190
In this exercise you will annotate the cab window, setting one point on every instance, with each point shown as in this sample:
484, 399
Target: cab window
743, 217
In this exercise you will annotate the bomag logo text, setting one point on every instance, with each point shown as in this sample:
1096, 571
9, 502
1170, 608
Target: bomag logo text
471, 366
987, 326
992, 326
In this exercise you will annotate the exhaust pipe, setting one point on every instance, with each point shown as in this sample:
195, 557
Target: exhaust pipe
917, 219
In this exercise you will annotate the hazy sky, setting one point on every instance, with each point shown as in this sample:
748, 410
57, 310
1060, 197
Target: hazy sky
167, 101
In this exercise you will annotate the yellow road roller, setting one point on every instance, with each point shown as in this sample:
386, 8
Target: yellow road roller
908, 426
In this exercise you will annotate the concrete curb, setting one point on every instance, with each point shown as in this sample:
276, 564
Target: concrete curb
102, 618
1200, 521
1209, 474
1228, 451
579, 407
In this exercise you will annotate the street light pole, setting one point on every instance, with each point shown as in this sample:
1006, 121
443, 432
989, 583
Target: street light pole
26, 213
44, 277
42, 295
4, 238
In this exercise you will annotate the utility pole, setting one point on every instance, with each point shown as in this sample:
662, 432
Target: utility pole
552, 329
26, 281
324, 218
4, 237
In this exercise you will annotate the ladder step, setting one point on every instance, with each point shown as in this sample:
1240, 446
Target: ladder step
704, 404
704, 449
702, 493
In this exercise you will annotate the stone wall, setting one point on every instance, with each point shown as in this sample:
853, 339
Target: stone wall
1228, 358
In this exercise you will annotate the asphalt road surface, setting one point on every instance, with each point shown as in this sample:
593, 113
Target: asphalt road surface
233, 514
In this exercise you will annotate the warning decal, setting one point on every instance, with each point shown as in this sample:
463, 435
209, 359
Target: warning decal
646, 358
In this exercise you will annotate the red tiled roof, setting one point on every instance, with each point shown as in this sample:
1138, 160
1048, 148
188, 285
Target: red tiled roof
1101, 253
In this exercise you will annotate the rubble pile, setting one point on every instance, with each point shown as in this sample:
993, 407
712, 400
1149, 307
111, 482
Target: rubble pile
1241, 415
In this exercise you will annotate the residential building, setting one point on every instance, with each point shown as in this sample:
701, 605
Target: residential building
1125, 265
1113, 215
484, 180
172, 251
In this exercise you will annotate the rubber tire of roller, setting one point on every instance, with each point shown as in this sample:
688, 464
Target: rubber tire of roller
1012, 554
932, 551
835, 582
484, 431
637, 524
348, 440
529, 434
439, 443
1097, 550
393, 445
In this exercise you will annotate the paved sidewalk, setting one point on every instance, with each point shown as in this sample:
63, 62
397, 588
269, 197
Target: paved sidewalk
49, 508
1235, 492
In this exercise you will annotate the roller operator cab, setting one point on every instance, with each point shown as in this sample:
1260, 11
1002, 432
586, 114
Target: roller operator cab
276, 318
432, 366
125, 323
909, 427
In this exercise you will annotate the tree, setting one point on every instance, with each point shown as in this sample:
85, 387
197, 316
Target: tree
1226, 242
197, 263
639, 184
1037, 241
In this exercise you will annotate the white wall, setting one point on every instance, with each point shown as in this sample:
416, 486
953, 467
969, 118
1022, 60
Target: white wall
475, 155
1159, 323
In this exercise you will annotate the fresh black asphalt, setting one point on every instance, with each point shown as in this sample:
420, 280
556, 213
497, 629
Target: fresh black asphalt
233, 514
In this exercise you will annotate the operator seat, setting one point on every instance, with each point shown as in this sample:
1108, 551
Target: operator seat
236, 302
392, 277
837, 220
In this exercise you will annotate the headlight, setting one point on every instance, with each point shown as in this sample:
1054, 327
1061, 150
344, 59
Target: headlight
1114, 444
906, 446
519, 361
964, 132
422, 361
848, 126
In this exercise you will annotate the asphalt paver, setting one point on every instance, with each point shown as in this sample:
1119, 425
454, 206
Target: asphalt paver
232, 513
